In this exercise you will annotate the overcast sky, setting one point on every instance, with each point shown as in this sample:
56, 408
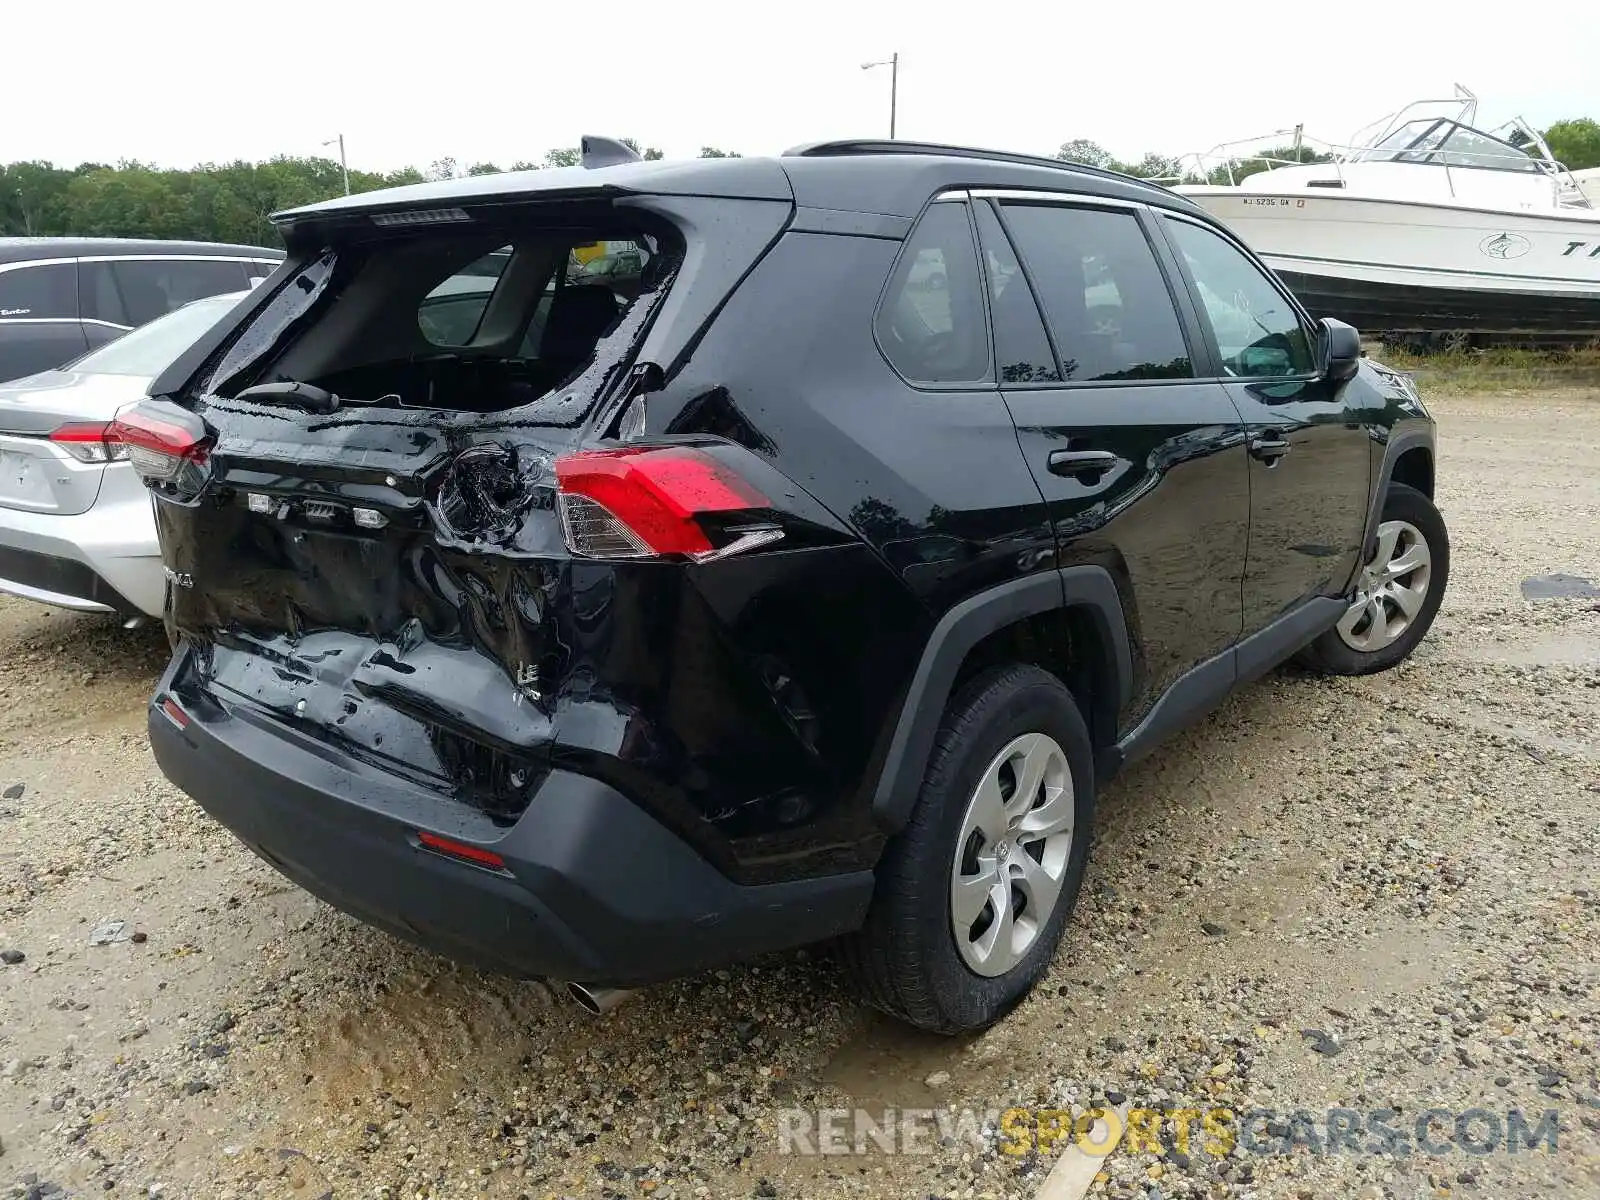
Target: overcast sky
176, 82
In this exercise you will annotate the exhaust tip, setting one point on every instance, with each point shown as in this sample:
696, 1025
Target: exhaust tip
596, 1001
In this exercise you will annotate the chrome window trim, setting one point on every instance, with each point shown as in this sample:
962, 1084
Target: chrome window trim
36, 262
1033, 195
238, 258
63, 321
114, 258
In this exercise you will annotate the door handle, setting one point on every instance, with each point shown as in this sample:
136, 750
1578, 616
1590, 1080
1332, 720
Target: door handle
1268, 449
1078, 463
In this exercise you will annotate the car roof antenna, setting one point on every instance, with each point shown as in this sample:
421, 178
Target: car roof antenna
606, 152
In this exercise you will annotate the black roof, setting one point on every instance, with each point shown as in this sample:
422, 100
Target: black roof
13, 249
893, 178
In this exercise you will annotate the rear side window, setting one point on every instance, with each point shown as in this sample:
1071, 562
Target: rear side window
98, 292
39, 292
1020, 345
451, 313
151, 287
1103, 293
931, 324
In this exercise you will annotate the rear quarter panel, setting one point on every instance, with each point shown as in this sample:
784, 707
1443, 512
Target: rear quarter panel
931, 483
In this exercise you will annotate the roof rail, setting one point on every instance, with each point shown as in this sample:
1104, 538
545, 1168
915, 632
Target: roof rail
897, 146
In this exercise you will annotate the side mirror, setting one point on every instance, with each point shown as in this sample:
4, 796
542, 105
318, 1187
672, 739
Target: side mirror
1341, 350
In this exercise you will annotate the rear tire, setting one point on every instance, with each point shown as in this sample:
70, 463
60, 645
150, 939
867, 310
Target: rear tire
973, 839
1399, 591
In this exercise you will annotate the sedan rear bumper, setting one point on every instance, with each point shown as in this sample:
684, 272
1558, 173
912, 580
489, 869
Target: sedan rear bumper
107, 559
62, 582
593, 888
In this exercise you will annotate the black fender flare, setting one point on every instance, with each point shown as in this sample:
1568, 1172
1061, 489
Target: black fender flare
1397, 445
1087, 588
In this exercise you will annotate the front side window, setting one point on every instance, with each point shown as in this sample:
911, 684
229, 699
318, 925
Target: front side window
39, 292
931, 324
153, 287
1259, 334
1103, 293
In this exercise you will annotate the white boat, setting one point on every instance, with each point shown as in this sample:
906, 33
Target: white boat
1425, 230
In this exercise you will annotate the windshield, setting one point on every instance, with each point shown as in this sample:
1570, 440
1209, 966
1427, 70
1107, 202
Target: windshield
151, 348
1450, 143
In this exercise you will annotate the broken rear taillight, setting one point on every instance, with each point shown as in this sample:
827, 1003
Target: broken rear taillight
167, 445
650, 502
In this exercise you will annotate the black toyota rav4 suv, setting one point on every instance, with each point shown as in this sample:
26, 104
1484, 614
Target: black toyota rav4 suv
804, 589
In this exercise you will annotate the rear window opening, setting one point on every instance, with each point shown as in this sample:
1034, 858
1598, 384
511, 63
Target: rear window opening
469, 319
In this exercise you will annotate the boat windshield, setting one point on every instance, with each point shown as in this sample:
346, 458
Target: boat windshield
1448, 143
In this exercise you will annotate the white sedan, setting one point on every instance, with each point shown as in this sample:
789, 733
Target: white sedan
76, 525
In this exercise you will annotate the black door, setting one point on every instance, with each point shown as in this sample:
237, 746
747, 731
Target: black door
1142, 464
1310, 455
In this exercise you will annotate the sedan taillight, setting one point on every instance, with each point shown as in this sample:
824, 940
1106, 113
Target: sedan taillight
90, 441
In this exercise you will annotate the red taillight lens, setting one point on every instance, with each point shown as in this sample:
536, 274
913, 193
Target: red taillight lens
465, 851
165, 443
645, 502
174, 712
90, 441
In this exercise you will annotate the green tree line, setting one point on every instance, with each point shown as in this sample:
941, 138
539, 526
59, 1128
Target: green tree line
232, 202
226, 202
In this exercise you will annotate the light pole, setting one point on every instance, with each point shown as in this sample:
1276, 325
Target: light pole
343, 166
893, 63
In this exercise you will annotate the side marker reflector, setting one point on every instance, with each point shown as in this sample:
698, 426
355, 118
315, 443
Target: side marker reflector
465, 851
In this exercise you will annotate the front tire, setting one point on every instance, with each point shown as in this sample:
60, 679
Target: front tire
973, 894
1399, 591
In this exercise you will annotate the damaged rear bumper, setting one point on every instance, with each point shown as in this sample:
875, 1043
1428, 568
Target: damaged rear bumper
593, 889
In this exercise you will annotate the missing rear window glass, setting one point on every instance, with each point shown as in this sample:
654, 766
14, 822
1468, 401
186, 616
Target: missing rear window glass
462, 319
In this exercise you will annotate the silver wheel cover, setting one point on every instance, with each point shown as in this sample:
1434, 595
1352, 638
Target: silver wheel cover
1011, 854
1391, 590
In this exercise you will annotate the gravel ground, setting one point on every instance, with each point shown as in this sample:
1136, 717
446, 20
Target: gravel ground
1369, 894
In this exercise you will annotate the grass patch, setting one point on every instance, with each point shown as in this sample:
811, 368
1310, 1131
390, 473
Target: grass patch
1497, 370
